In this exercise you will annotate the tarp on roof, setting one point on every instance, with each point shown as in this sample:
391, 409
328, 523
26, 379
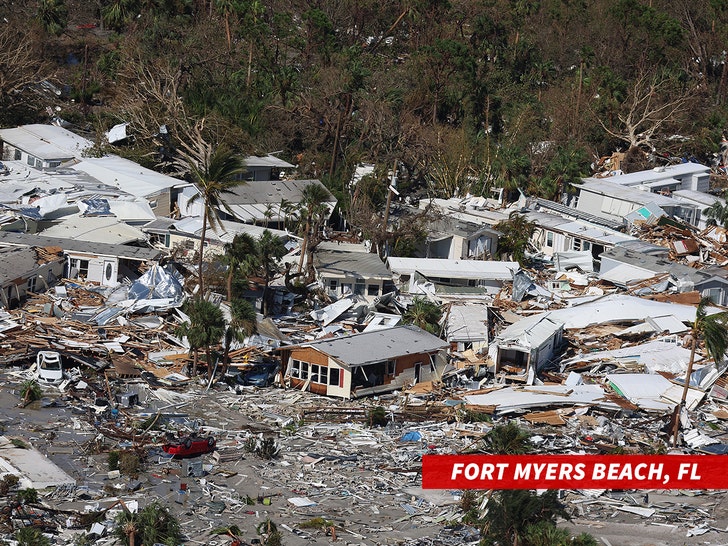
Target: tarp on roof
94, 207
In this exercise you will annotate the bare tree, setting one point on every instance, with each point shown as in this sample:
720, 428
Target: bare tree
20, 61
652, 102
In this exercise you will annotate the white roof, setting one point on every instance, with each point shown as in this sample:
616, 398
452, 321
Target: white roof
453, 269
530, 332
657, 356
653, 391
626, 274
692, 196
651, 176
127, 175
226, 231
46, 141
586, 312
468, 322
95, 230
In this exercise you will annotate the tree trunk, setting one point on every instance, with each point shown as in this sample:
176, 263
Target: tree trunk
201, 260
676, 429
229, 284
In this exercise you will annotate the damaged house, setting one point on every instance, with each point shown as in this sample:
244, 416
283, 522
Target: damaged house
102, 263
27, 270
526, 346
479, 276
625, 268
343, 273
367, 363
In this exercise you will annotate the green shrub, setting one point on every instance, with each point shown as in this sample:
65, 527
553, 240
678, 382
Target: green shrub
114, 460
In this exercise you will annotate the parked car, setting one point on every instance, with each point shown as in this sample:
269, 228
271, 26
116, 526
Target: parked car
260, 375
190, 446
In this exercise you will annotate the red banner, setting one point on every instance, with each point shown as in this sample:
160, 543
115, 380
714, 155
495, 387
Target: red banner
575, 472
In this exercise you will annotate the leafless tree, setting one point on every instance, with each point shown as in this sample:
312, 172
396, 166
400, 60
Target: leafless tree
20, 61
652, 102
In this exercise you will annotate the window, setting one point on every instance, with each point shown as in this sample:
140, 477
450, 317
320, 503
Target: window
296, 368
372, 290
577, 244
714, 294
550, 239
31, 161
334, 374
333, 283
391, 367
54, 164
304, 370
314, 373
32, 284
345, 288
359, 288
18, 155
586, 245
81, 267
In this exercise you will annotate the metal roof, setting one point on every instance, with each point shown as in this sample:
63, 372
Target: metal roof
568, 211
577, 228
530, 332
453, 269
74, 245
127, 175
357, 264
627, 193
378, 345
256, 192
267, 161
46, 141
651, 176
467, 322
95, 229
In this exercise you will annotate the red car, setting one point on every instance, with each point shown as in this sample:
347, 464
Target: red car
190, 446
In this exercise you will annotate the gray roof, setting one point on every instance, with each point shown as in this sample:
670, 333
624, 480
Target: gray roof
571, 212
73, 245
530, 332
359, 264
378, 345
255, 192
657, 265
16, 262
577, 228
628, 193
267, 161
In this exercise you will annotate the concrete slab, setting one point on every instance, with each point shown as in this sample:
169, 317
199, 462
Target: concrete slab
33, 468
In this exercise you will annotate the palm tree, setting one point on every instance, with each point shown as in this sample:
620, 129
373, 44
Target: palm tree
713, 330
270, 250
205, 329
241, 255
243, 323
424, 314
153, 524
313, 211
214, 170
718, 213
508, 439
52, 16
515, 235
